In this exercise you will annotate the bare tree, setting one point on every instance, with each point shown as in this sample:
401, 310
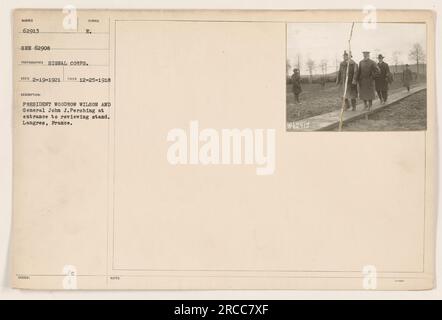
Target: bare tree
323, 66
299, 61
417, 54
336, 63
396, 55
376, 53
288, 67
310, 67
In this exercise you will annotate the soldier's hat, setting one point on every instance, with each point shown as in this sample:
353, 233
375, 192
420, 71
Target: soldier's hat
365, 51
380, 56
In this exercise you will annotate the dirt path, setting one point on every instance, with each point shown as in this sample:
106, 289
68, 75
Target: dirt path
407, 114
316, 100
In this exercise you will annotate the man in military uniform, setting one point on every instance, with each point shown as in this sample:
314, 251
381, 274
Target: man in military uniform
367, 72
407, 76
383, 79
352, 88
296, 84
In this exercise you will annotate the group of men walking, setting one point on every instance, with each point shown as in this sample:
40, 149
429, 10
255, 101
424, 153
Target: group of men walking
369, 75
363, 80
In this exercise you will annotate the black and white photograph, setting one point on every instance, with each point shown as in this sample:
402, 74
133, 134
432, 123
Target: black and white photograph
356, 77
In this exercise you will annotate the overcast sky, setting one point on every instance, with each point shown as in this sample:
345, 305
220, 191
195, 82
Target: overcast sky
328, 41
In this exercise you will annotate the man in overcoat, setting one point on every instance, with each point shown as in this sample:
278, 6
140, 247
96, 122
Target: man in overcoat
383, 79
367, 73
407, 77
352, 88
296, 84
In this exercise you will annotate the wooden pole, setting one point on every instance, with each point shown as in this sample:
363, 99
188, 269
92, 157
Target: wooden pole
346, 78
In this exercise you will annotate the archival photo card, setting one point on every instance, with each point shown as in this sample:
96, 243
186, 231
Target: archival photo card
155, 150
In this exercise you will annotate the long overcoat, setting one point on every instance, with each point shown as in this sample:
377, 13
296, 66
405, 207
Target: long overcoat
367, 73
407, 77
352, 88
382, 80
296, 83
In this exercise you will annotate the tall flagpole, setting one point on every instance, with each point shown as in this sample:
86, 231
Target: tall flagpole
346, 77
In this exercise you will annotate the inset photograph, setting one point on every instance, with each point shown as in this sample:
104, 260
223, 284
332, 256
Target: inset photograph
356, 77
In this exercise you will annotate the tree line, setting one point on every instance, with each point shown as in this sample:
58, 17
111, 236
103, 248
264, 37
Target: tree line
416, 54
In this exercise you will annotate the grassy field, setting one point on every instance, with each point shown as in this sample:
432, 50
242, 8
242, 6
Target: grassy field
407, 114
316, 100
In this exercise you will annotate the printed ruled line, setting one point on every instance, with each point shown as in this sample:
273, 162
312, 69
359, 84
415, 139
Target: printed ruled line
227, 276
60, 65
46, 51
64, 32
80, 49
